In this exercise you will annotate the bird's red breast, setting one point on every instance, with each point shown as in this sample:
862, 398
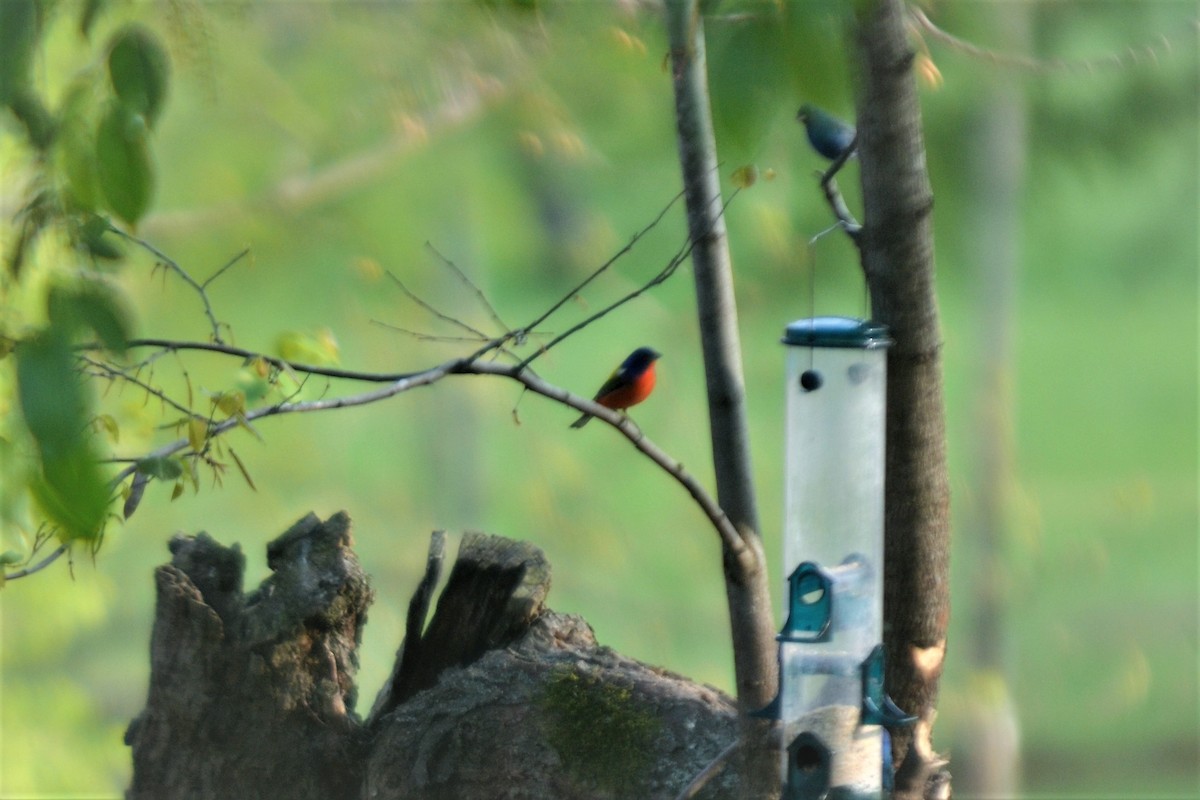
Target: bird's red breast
621, 392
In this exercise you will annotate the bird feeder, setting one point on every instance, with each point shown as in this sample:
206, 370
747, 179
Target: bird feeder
831, 700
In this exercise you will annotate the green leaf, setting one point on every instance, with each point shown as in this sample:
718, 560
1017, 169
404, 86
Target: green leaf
88, 15
164, 468
94, 304
138, 66
39, 123
123, 163
51, 395
90, 233
71, 489
75, 144
9, 557
18, 39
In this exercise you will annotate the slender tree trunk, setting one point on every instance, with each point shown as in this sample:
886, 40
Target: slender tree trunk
987, 765
746, 579
897, 254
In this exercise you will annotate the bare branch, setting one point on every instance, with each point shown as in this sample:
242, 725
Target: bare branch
833, 195
461, 104
169, 345
201, 289
38, 567
724, 527
398, 383
1132, 56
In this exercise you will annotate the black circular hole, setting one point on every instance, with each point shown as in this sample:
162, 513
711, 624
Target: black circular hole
811, 380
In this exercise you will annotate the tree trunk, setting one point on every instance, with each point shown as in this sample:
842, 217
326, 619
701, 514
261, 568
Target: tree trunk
988, 764
897, 255
497, 697
746, 579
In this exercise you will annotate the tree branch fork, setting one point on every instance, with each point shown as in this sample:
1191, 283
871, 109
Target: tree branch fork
484, 361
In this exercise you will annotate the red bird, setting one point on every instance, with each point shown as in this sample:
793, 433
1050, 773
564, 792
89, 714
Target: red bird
629, 385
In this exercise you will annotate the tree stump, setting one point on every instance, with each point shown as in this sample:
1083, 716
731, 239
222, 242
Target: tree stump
253, 696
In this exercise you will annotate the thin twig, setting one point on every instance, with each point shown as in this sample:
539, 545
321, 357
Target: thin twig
666, 272
596, 273
38, 567
714, 768
104, 370
458, 323
425, 337
662, 276
1130, 57
470, 285
228, 264
173, 265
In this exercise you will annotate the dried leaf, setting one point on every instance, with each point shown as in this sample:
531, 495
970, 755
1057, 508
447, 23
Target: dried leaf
242, 469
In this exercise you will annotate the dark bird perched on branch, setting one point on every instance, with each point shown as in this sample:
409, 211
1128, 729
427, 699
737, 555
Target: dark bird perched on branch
828, 135
629, 385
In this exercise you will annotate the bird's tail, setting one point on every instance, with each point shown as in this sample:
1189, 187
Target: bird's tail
579, 423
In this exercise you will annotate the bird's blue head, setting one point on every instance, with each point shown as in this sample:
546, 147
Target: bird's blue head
640, 359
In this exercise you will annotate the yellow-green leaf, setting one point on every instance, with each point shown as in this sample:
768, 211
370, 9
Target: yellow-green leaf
197, 433
108, 424
232, 404
745, 176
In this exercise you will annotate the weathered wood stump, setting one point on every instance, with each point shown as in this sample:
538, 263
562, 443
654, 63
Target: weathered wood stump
253, 696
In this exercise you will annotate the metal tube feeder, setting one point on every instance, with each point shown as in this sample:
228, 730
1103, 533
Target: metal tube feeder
831, 701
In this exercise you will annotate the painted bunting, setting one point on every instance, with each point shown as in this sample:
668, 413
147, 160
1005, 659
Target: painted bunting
629, 385
828, 135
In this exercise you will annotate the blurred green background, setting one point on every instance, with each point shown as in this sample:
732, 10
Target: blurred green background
335, 140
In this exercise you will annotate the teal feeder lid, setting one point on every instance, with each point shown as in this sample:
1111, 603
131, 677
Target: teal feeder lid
837, 332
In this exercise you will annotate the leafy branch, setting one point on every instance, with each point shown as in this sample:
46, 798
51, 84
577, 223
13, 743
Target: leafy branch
204, 431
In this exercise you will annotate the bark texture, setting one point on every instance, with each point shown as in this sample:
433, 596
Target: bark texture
746, 581
897, 253
253, 696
